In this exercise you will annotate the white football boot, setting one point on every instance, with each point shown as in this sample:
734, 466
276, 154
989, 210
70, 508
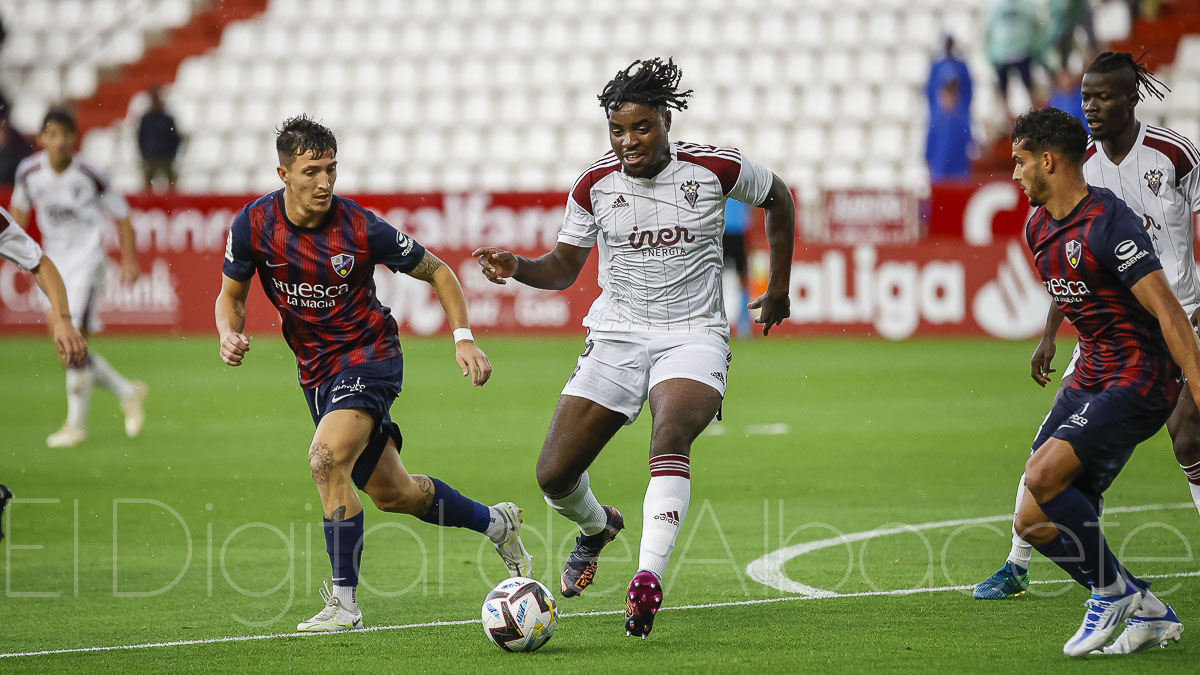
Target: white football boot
511, 549
1142, 633
333, 618
66, 437
135, 412
1101, 620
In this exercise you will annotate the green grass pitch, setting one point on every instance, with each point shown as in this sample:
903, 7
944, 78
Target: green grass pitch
207, 526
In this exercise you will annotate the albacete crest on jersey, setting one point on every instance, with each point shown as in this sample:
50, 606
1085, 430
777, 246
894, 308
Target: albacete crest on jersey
1153, 180
342, 264
691, 190
1073, 251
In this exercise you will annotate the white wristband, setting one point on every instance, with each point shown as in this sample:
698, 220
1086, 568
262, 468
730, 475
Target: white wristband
461, 334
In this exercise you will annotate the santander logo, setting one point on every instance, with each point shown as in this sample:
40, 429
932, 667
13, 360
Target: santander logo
666, 237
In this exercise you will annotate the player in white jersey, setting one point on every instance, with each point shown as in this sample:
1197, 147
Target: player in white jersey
19, 248
73, 201
1156, 172
658, 332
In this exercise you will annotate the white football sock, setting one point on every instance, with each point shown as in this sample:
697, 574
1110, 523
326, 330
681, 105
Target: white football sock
497, 528
107, 377
348, 595
79, 395
1117, 587
581, 507
1021, 552
1193, 475
663, 510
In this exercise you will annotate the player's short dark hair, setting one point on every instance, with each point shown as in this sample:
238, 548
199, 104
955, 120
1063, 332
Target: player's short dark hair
1051, 129
301, 135
60, 116
1140, 77
652, 81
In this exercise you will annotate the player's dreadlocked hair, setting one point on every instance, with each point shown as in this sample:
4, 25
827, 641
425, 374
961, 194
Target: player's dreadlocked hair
652, 82
1051, 129
1144, 81
301, 135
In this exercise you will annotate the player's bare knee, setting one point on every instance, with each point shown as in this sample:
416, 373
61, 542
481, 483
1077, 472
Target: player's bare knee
326, 464
1186, 443
554, 481
398, 500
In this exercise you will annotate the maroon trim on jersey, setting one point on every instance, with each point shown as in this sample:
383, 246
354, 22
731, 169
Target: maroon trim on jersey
4, 223
23, 175
725, 163
96, 176
581, 193
1091, 150
1176, 151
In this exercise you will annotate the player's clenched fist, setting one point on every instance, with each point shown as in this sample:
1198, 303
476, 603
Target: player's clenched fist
233, 348
497, 263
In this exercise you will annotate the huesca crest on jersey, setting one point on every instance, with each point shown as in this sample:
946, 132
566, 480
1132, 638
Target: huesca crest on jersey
691, 190
1073, 251
1153, 180
342, 264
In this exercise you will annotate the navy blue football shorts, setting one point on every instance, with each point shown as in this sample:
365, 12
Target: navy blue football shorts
371, 387
1103, 428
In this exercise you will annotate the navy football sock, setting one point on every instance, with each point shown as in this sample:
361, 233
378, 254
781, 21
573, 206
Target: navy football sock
451, 509
343, 542
1066, 557
1075, 516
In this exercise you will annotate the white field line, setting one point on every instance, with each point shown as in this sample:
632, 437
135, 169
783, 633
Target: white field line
819, 594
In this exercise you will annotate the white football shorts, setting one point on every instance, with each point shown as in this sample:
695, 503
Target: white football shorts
84, 280
618, 369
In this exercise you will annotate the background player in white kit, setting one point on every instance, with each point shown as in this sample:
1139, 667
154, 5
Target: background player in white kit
1156, 172
658, 331
72, 198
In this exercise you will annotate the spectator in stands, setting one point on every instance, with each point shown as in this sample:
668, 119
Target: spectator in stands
1013, 40
1066, 95
1065, 17
949, 141
158, 140
949, 67
14, 147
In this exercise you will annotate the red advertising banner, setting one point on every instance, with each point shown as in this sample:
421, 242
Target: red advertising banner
868, 216
896, 291
978, 211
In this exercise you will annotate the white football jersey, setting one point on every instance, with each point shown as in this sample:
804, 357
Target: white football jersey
659, 238
70, 206
16, 245
1160, 181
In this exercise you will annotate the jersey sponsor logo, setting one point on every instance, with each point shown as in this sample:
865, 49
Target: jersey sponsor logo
1074, 249
665, 237
229, 246
342, 264
619, 203
405, 243
316, 296
1129, 263
1126, 249
1153, 180
1066, 290
691, 191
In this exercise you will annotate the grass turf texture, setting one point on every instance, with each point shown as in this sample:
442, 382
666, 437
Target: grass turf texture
877, 434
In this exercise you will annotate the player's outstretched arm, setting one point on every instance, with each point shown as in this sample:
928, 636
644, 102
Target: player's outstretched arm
471, 359
71, 346
781, 233
231, 320
554, 271
1039, 363
1155, 294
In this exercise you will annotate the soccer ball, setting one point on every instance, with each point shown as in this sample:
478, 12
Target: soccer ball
519, 615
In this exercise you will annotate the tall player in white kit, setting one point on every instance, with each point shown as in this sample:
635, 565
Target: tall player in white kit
73, 200
658, 331
1156, 172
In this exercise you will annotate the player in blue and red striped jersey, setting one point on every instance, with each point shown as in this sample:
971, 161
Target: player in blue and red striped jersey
1099, 265
315, 254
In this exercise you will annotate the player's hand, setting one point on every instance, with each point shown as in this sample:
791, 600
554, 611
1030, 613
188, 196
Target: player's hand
233, 348
130, 271
1039, 364
72, 348
497, 263
775, 308
473, 362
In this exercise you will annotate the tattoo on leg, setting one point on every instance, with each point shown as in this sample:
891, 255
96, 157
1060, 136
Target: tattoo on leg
320, 461
426, 487
338, 514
